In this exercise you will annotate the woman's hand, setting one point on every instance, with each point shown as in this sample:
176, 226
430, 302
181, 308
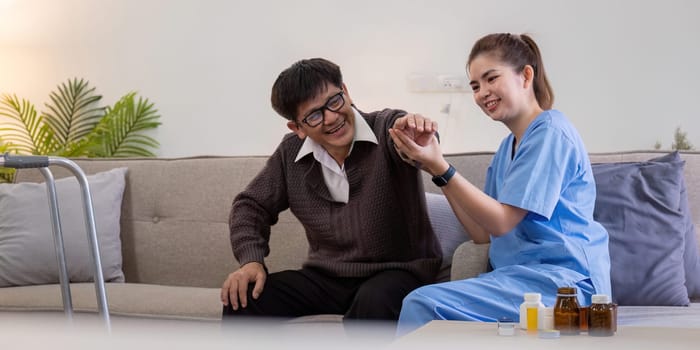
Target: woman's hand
415, 138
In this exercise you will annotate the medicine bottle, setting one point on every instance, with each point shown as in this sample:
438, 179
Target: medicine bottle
601, 318
546, 319
530, 310
566, 311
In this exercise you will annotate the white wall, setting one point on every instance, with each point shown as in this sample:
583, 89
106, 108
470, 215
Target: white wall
626, 72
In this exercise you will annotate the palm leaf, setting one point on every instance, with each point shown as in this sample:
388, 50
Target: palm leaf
6, 174
73, 111
74, 126
49, 143
119, 133
22, 130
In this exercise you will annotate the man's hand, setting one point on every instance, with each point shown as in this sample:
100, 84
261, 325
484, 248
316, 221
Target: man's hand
235, 287
417, 127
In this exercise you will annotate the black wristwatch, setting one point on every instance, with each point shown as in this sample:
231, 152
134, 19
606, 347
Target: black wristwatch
441, 180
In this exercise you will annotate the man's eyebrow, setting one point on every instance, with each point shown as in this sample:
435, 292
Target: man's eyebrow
322, 105
314, 110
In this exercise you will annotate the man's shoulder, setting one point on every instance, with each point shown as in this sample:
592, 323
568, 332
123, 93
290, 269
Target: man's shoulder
290, 139
383, 113
384, 117
289, 146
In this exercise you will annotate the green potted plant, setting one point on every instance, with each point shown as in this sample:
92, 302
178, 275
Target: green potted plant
75, 125
680, 141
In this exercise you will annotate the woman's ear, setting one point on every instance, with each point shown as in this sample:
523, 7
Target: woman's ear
528, 75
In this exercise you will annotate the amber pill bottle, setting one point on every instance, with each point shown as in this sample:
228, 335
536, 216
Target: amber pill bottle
601, 318
566, 312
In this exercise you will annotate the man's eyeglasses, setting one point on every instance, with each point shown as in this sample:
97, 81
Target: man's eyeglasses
333, 104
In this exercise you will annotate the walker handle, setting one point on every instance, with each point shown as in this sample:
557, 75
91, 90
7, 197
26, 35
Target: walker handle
24, 162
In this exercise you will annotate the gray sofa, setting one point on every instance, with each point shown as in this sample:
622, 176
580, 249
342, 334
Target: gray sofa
175, 248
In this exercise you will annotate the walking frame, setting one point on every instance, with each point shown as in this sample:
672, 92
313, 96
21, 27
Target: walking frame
42, 163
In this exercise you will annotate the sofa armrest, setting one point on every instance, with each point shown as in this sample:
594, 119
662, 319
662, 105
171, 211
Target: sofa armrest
469, 260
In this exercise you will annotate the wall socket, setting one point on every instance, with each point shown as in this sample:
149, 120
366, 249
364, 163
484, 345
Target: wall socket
427, 82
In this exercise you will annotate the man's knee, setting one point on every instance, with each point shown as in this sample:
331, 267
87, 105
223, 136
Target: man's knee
413, 300
381, 295
374, 309
250, 309
380, 301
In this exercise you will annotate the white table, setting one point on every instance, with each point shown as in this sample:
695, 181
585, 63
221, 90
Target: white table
447, 335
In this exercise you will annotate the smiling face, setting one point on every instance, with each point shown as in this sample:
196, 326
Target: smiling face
337, 130
501, 92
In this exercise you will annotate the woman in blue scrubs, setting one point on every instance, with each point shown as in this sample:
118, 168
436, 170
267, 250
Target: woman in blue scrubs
537, 206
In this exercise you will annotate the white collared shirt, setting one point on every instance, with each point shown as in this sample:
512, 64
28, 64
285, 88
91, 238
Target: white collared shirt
333, 174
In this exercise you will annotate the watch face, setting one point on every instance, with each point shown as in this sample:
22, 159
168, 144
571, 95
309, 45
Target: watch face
439, 180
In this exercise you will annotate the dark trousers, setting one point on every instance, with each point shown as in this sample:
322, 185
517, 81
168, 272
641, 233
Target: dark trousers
295, 293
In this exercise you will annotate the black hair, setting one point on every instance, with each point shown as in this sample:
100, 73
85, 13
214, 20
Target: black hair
302, 81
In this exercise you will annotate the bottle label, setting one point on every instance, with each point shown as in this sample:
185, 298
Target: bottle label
532, 319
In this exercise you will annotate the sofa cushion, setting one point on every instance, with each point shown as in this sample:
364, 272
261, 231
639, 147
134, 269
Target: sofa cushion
691, 256
27, 253
470, 260
125, 299
447, 228
639, 204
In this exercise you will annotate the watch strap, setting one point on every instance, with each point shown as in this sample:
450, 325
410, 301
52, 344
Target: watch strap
441, 180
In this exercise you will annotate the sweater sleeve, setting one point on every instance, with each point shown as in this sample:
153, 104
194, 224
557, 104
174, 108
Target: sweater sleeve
256, 209
383, 121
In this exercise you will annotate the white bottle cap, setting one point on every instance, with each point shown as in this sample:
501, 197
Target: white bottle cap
506, 326
533, 297
600, 299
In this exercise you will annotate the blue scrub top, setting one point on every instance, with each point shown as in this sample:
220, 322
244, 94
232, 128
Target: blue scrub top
550, 176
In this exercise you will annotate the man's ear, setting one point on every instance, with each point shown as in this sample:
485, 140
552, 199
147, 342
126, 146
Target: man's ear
348, 99
296, 129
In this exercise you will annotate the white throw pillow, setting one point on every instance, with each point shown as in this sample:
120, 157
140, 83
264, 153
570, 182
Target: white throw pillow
27, 253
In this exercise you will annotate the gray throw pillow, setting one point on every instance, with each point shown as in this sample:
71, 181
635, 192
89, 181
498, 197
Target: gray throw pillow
639, 205
27, 253
447, 228
691, 256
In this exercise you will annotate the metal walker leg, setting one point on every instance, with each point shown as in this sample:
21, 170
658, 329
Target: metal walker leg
42, 163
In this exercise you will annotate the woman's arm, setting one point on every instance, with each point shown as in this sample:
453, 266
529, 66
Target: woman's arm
480, 214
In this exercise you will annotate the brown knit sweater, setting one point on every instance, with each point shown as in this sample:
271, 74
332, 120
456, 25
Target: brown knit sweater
383, 226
